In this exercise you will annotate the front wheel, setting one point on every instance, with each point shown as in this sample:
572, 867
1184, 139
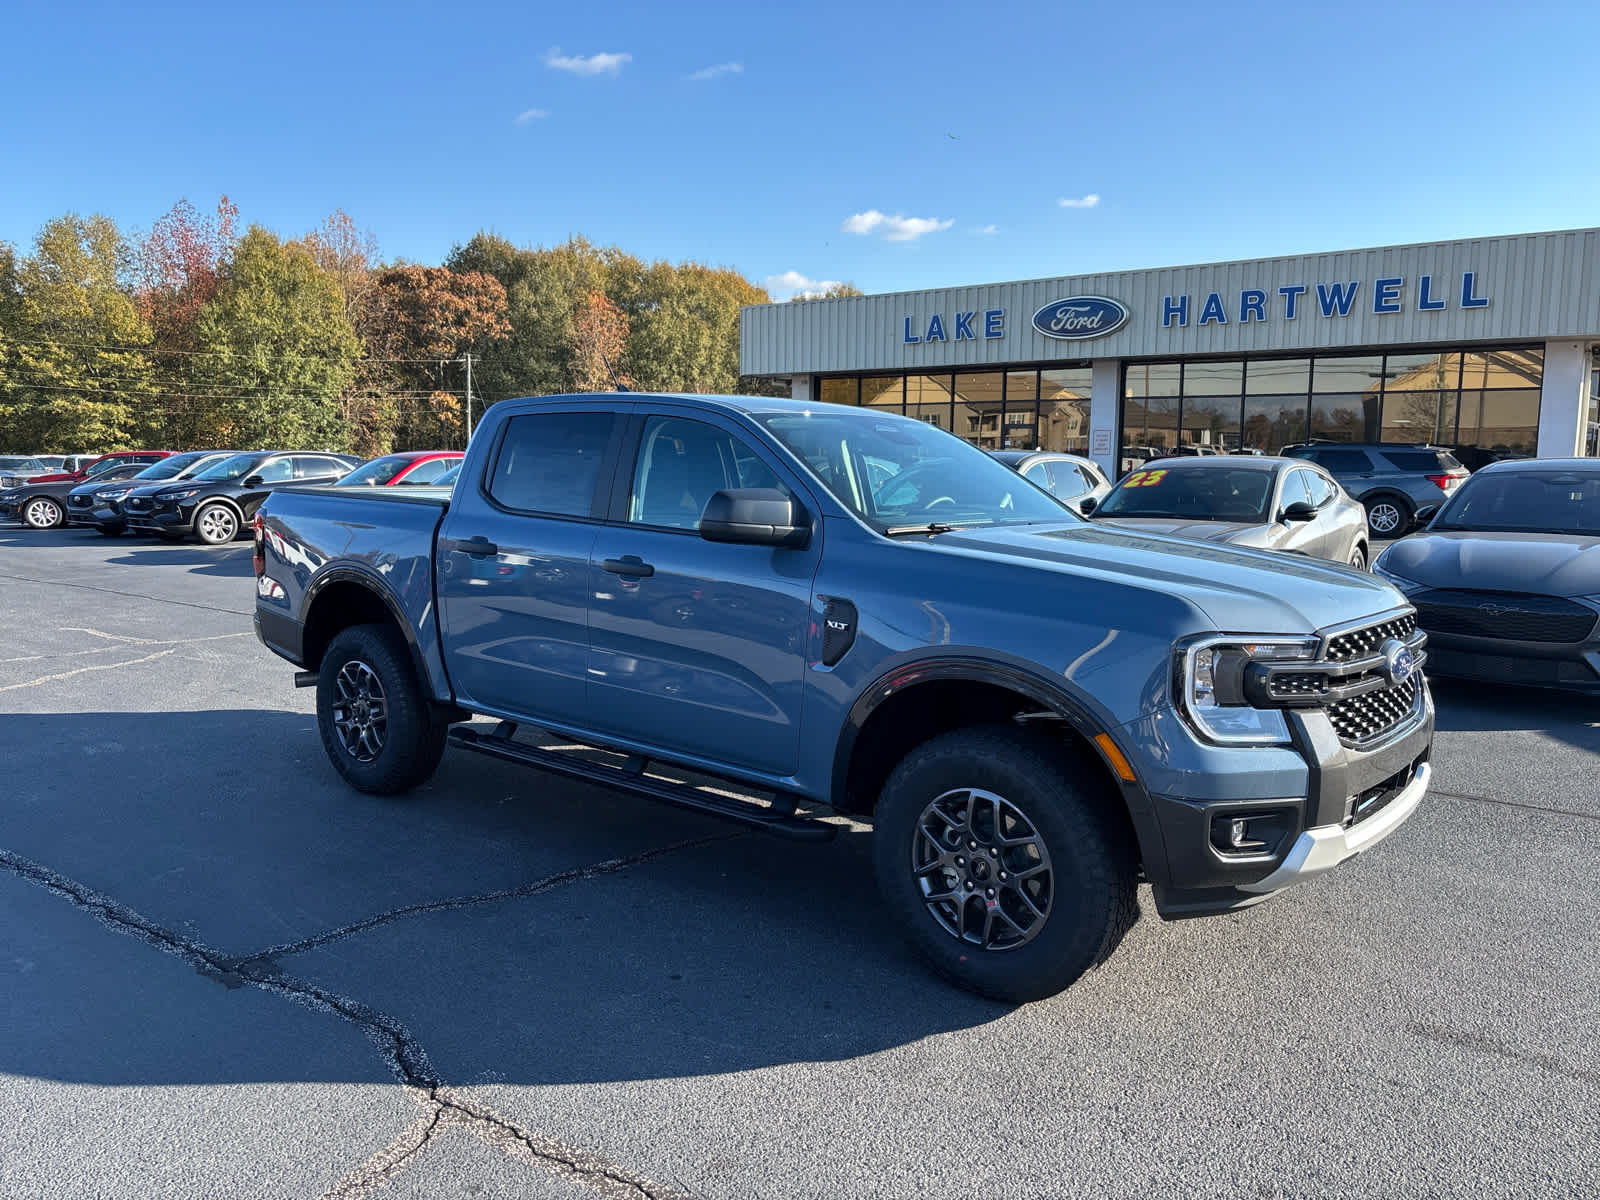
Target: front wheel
216, 524
1358, 557
993, 851
377, 725
43, 513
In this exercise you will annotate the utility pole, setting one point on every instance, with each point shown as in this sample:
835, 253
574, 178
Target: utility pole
467, 358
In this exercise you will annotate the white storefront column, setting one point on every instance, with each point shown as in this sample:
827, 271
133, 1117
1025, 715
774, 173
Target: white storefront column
1564, 399
800, 387
1105, 394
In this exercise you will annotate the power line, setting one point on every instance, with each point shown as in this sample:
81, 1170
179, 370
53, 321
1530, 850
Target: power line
209, 353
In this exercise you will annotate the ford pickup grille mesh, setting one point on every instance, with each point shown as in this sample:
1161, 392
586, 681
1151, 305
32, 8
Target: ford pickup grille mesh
1359, 642
1507, 617
1369, 716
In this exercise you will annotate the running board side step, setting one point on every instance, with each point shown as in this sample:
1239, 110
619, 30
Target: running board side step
780, 819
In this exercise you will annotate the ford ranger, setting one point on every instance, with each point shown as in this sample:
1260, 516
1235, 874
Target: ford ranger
787, 613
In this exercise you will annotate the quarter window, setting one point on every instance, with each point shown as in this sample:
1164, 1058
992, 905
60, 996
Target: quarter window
550, 462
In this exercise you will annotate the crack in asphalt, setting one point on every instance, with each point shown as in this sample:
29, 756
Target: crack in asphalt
610, 866
407, 1059
1544, 808
89, 587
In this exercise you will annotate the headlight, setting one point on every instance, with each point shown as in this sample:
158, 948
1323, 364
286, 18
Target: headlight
113, 494
183, 495
1210, 678
1408, 586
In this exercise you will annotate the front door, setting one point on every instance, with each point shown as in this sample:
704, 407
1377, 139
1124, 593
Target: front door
699, 646
512, 566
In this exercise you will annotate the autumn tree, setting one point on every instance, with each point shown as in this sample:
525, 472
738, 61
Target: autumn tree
834, 291
276, 349
75, 354
685, 327
597, 340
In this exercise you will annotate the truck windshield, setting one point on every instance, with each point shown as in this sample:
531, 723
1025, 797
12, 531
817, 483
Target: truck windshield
895, 473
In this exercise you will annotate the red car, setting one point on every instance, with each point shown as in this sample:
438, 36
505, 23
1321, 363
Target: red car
105, 462
404, 467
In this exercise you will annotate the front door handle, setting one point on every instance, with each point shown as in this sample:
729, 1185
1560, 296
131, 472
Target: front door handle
477, 547
629, 564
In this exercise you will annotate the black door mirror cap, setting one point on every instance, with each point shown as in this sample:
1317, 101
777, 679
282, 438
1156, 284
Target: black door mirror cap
755, 517
253, 481
1300, 510
1086, 505
1425, 514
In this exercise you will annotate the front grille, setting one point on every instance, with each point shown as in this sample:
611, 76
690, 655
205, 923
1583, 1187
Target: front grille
1506, 616
137, 504
1360, 642
79, 501
1369, 716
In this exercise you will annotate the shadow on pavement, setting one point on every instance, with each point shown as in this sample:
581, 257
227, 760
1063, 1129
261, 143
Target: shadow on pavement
1468, 706
228, 829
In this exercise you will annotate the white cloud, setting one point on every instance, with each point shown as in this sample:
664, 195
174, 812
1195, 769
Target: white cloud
895, 228
533, 114
595, 64
798, 285
727, 68
1089, 201
987, 229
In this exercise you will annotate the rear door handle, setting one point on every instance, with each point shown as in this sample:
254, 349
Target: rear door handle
477, 547
629, 564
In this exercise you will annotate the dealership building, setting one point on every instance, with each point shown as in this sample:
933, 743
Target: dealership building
1486, 345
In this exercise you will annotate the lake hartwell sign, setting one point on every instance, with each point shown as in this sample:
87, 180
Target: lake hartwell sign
1081, 318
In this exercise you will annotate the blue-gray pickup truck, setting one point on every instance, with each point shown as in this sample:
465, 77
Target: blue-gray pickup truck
783, 613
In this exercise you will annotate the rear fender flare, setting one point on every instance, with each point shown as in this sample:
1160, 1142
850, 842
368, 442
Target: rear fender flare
373, 583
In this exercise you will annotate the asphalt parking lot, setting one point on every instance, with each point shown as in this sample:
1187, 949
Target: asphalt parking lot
224, 974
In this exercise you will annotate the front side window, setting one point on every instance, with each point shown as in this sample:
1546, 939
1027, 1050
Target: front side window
275, 470
429, 472
377, 472
681, 463
550, 462
235, 467
1066, 481
1296, 486
895, 472
1322, 488
1342, 462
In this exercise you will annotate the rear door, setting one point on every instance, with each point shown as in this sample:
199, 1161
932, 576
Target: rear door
699, 646
512, 570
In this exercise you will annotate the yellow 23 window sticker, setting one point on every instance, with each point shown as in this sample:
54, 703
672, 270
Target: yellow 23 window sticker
1144, 478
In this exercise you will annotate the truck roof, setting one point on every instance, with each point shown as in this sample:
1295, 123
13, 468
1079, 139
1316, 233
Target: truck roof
742, 404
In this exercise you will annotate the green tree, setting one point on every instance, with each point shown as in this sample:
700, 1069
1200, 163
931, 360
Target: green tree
834, 291
276, 349
685, 327
75, 355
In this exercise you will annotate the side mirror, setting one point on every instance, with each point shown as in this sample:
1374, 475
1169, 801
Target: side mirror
1300, 510
253, 481
1086, 505
755, 517
1423, 515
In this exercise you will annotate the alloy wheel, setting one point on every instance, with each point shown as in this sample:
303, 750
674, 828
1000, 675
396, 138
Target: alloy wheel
43, 513
361, 714
217, 525
983, 869
1384, 517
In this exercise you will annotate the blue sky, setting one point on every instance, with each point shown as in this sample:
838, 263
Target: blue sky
895, 146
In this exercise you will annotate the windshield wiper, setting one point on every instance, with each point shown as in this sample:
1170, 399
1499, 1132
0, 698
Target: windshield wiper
930, 528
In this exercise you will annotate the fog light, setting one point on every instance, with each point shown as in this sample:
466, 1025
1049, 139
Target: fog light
1247, 835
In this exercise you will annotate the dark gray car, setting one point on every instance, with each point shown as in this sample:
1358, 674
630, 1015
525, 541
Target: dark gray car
1268, 503
1397, 484
1506, 579
1075, 481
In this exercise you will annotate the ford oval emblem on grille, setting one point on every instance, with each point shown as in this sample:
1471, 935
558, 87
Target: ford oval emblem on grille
1399, 664
1079, 317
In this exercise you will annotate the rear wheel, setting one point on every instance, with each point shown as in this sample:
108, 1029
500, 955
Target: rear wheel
216, 524
1358, 557
378, 727
994, 853
41, 512
1387, 516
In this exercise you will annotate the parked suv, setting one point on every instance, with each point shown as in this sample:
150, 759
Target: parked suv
217, 504
1393, 482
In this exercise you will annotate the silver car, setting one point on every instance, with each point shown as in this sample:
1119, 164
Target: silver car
1271, 503
1075, 481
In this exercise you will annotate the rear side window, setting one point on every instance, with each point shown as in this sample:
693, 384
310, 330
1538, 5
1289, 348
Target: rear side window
550, 462
1066, 481
1422, 460
1341, 462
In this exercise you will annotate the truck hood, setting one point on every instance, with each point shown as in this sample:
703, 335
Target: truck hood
1551, 564
1240, 590
1199, 531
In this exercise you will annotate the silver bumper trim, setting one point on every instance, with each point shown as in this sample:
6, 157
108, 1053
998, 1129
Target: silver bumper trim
1326, 846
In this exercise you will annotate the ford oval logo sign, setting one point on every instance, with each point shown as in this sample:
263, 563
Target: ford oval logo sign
1399, 664
1080, 317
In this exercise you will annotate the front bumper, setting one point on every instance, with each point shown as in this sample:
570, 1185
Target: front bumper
1573, 666
165, 518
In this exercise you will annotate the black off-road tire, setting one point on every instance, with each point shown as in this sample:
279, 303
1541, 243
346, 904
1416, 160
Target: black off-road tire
1093, 900
413, 733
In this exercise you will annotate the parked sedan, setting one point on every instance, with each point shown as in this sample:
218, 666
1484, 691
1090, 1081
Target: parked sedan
1270, 503
98, 502
17, 469
95, 467
1506, 578
44, 505
1076, 482
217, 504
406, 467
